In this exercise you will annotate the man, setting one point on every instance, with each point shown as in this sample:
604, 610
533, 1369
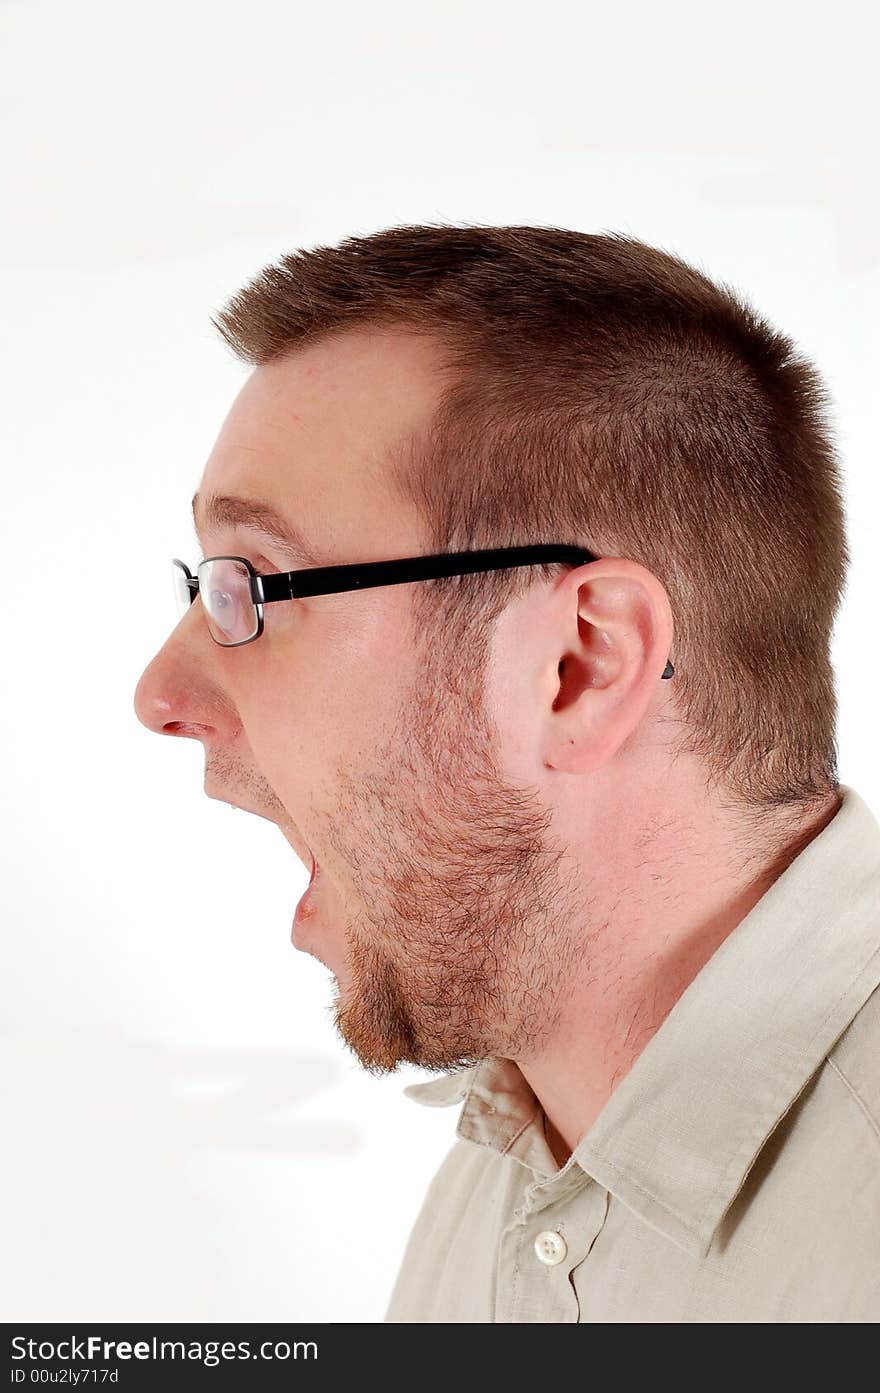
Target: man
635, 921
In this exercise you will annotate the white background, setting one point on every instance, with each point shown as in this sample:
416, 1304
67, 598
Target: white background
185, 1136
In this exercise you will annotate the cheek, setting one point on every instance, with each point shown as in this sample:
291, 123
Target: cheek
354, 692
324, 698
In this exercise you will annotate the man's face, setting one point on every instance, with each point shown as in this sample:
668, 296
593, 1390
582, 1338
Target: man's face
438, 906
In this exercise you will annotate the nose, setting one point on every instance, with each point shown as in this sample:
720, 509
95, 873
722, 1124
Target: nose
177, 694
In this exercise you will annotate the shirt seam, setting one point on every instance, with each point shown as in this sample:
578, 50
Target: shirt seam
873, 1122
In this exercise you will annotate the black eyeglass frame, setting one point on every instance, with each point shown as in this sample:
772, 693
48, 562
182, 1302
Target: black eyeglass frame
365, 575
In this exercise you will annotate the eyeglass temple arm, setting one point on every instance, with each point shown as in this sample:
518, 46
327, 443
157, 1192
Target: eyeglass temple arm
193, 584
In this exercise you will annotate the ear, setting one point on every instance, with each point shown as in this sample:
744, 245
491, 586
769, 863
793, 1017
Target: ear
609, 637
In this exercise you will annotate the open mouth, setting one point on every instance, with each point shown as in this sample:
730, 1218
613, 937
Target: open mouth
307, 908
302, 849
288, 831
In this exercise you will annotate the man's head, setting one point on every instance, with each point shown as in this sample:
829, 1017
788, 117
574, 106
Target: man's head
479, 764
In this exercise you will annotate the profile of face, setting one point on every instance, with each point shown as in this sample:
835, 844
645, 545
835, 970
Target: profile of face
441, 906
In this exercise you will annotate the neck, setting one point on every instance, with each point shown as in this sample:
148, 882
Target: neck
642, 961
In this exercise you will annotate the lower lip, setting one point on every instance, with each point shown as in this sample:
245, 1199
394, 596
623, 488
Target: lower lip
306, 908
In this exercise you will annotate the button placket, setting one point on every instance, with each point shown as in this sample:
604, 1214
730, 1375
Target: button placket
547, 1237
528, 1289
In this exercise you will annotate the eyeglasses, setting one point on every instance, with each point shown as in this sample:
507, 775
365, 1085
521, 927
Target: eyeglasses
233, 594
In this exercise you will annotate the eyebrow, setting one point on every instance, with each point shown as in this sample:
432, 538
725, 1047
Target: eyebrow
226, 511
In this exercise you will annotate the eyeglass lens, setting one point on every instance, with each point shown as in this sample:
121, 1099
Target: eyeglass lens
225, 591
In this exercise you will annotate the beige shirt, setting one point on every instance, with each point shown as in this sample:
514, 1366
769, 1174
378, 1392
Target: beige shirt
734, 1173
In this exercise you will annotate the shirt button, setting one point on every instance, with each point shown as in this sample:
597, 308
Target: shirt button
550, 1247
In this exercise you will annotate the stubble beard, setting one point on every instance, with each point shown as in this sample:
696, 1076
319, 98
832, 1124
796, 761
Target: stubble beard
470, 952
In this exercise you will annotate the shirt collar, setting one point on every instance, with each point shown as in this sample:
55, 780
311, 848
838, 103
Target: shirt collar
678, 1136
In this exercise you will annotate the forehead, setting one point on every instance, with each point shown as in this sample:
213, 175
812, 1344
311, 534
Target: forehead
309, 435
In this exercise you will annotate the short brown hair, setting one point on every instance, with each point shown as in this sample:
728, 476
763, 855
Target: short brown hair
609, 395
